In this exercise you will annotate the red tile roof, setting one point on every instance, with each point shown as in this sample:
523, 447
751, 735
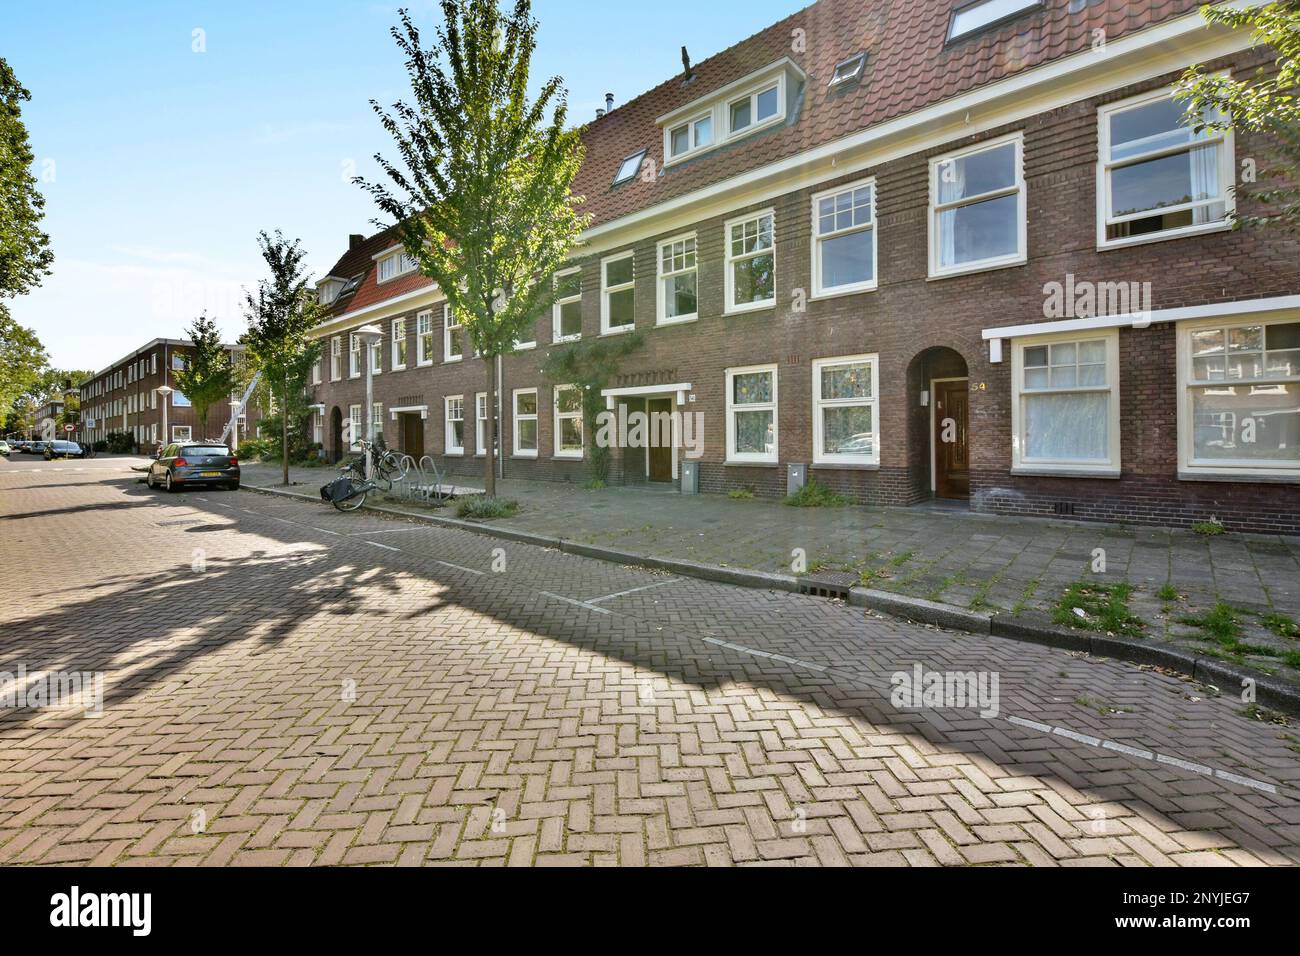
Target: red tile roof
909, 66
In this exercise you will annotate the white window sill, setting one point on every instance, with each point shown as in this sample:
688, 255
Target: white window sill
569, 455
1242, 477
398, 368
452, 361
680, 320
1064, 471
560, 340
424, 364
839, 293
525, 346
972, 268
759, 463
751, 307
454, 453
524, 454
621, 330
847, 465
1185, 233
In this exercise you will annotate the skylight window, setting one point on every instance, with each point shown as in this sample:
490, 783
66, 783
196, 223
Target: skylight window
984, 13
629, 167
849, 70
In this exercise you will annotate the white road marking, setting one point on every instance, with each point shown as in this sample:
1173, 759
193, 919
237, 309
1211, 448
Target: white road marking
363, 534
619, 594
575, 602
384, 546
457, 567
323, 531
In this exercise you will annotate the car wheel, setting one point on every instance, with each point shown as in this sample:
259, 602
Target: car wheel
167, 482
233, 486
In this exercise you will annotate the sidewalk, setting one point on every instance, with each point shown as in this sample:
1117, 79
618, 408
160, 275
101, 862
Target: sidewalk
1017, 567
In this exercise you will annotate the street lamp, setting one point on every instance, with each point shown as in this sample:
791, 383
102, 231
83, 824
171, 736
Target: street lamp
235, 406
68, 395
370, 336
164, 391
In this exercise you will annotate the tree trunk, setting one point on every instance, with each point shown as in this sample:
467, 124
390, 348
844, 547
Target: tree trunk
284, 435
489, 440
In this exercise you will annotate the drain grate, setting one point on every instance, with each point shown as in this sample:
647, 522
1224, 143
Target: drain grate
828, 584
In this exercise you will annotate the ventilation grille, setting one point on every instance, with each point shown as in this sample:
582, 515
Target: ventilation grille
1064, 509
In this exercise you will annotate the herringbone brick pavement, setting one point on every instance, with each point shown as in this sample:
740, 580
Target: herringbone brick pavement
285, 685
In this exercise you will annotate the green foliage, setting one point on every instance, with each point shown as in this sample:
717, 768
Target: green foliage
119, 443
482, 197
1105, 609
741, 494
1168, 592
281, 313
208, 376
1264, 103
594, 484
25, 254
483, 508
22, 358
1280, 624
814, 494
591, 365
1220, 622
1208, 529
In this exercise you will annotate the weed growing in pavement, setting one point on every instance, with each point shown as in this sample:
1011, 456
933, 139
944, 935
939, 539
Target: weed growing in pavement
741, 494
1099, 607
1280, 624
816, 495
1168, 593
1208, 529
480, 508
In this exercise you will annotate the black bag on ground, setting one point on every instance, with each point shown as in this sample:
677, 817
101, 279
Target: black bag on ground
340, 489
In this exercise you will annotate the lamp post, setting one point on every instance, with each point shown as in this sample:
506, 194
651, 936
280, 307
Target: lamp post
68, 395
164, 391
235, 406
370, 335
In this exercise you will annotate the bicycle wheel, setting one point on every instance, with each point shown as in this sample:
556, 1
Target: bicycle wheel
352, 504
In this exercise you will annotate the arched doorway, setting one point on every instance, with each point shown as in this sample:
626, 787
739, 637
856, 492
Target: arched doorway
939, 424
336, 435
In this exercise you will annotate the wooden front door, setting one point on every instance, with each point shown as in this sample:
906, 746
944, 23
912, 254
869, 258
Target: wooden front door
661, 458
951, 439
412, 435
336, 435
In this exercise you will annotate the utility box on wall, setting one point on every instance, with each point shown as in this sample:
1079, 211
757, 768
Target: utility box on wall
796, 477
690, 477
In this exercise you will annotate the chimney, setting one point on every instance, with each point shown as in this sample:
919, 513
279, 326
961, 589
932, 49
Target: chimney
355, 240
609, 102
599, 113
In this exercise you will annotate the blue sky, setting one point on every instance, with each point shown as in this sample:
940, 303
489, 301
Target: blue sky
159, 164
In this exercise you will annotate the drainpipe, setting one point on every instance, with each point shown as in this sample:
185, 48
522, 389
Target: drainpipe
501, 404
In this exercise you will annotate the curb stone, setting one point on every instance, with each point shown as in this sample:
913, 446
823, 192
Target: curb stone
1029, 627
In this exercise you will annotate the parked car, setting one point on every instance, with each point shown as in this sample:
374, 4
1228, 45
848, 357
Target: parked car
185, 464
63, 449
35, 447
4, 448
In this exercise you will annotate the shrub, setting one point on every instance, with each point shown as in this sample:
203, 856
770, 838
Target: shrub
482, 508
119, 443
1208, 529
740, 494
259, 449
816, 495
594, 484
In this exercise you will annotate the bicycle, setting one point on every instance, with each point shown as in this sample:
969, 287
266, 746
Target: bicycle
352, 495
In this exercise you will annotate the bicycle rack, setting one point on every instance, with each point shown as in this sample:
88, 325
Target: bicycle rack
418, 480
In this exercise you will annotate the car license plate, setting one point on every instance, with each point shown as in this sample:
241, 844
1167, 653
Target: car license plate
211, 474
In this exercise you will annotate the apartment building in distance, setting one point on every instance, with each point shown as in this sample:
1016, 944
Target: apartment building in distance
124, 398
912, 249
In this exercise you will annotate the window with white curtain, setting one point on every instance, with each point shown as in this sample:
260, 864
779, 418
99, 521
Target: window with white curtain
525, 422
336, 358
568, 421
358, 426
424, 338
1158, 178
453, 348
399, 344
354, 355
455, 421
977, 209
1065, 403
751, 414
480, 422
1240, 405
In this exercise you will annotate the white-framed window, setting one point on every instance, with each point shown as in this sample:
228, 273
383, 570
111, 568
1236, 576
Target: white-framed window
178, 362
846, 415
377, 356
568, 421
844, 239
179, 400
358, 427
336, 358
181, 433
455, 422
566, 314
377, 418
617, 293
689, 136
757, 108
1239, 397
678, 281
751, 414
1157, 178
629, 167
985, 13
1065, 403
424, 338
848, 70
153, 364
397, 264
399, 344
453, 344
751, 262
354, 355
977, 208
525, 422
316, 370
480, 422
317, 427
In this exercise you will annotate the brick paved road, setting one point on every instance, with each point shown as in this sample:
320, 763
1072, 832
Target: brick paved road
558, 711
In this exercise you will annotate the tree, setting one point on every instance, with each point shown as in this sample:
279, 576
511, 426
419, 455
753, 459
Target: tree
209, 375
1265, 104
590, 366
25, 254
22, 359
280, 313
482, 201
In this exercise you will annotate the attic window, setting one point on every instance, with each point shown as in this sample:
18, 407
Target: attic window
629, 167
849, 70
986, 13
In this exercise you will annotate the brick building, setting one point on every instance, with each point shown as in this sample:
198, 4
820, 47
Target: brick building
911, 249
124, 398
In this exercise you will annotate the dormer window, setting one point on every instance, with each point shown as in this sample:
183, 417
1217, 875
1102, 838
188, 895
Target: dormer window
629, 167
394, 265
754, 102
986, 13
849, 70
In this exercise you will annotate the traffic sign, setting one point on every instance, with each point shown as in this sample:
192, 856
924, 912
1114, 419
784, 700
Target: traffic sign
69, 428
